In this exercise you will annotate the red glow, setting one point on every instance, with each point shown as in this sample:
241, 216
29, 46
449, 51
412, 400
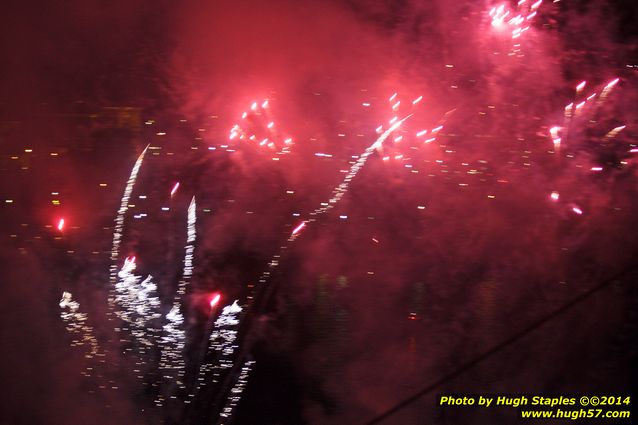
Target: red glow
215, 300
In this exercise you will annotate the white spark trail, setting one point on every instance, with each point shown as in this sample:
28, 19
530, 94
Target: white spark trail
119, 225
76, 325
139, 307
343, 187
191, 236
225, 361
221, 345
173, 342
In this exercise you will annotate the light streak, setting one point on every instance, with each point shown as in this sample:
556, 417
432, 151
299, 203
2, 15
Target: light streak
219, 349
580, 86
139, 308
555, 138
234, 397
337, 194
612, 83
614, 132
119, 226
298, 228
61, 224
174, 189
511, 22
171, 357
607, 89
76, 325
261, 127
191, 236
339, 191
215, 300
173, 341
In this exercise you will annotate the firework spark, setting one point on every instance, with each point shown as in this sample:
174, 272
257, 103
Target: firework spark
76, 325
119, 225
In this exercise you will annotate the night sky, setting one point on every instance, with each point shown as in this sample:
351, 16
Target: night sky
388, 189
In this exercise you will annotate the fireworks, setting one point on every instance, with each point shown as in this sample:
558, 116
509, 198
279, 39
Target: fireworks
517, 24
172, 361
138, 307
214, 300
404, 144
219, 350
235, 392
191, 236
575, 110
298, 228
174, 189
76, 324
343, 187
119, 222
258, 127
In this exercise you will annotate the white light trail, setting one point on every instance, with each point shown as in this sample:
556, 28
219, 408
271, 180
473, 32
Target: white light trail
172, 362
76, 325
220, 346
119, 225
